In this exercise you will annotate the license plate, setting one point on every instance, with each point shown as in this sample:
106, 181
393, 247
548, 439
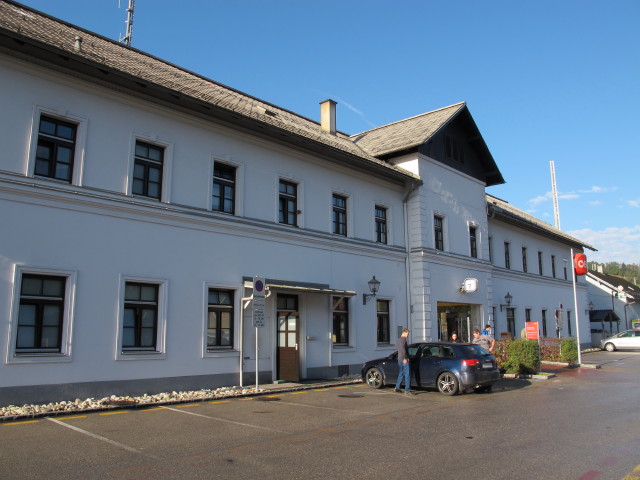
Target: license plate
487, 365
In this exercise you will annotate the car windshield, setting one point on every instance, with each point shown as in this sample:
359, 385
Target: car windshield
474, 350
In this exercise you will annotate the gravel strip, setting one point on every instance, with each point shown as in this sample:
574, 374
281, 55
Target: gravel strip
13, 412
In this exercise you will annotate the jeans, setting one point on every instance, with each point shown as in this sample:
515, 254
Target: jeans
406, 373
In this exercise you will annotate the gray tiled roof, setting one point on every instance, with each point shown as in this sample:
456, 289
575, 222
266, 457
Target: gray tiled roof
508, 212
406, 133
30, 25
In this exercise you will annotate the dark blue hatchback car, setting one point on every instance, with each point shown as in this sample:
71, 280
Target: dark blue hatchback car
450, 367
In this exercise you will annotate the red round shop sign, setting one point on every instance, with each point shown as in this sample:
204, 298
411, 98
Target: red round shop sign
580, 263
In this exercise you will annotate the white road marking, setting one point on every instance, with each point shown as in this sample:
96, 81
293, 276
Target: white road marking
103, 439
224, 420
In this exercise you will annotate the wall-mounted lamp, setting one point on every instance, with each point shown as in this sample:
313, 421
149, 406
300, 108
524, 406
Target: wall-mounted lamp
590, 308
507, 299
374, 286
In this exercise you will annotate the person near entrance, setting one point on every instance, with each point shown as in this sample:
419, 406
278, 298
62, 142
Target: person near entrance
454, 337
485, 341
403, 363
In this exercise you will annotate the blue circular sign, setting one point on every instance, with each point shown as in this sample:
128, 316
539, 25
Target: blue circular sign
259, 286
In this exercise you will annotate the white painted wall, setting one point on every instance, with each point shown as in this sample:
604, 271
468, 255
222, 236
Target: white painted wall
101, 235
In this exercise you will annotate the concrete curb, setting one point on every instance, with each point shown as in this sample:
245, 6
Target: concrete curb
528, 376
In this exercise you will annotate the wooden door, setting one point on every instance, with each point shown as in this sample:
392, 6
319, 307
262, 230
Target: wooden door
288, 350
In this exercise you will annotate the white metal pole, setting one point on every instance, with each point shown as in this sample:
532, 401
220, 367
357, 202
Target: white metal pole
257, 350
575, 302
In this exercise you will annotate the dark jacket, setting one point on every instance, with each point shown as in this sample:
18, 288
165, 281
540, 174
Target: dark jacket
401, 346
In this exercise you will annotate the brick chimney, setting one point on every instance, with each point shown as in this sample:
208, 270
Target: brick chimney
328, 116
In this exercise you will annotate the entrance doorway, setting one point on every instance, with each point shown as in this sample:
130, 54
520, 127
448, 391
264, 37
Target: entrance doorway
455, 317
288, 355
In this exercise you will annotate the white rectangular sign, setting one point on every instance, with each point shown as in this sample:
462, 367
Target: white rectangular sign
259, 287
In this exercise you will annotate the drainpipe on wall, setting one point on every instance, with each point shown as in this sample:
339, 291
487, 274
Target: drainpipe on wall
405, 207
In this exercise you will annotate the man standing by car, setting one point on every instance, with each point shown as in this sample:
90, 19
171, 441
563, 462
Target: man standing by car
485, 341
403, 363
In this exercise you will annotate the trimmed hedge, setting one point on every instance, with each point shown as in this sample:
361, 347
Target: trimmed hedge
524, 356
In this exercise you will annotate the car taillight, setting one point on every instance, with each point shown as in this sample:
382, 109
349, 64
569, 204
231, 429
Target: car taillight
471, 362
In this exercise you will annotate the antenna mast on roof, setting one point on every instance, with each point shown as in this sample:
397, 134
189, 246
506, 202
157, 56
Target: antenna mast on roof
554, 192
127, 38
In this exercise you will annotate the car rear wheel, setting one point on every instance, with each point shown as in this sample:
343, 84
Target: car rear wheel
448, 383
610, 347
374, 378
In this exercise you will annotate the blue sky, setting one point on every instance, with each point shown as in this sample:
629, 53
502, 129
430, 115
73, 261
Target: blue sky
544, 80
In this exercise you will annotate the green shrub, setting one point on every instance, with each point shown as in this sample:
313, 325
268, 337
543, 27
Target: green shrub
523, 357
569, 350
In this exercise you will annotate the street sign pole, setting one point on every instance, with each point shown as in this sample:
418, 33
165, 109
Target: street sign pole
258, 315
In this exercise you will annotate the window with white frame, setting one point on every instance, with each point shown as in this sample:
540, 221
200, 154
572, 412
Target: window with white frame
288, 203
148, 168
381, 224
383, 321
473, 241
58, 145
438, 232
223, 194
56, 149
42, 315
143, 317
507, 255
339, 214
220, 319
340, 314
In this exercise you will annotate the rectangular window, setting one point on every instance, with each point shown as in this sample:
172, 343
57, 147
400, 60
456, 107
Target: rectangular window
438, 232
140, 321
569, 321
553, 266
453, 151
340, 320
223, 197
220, 319
473, 241
381, 224
540, 271
527, 315
55, 151
491, 249
524, 259
511, 322
507, 256
339, 215
383, 321
147, 170
564, 269
544, 323
41, 314
288, 203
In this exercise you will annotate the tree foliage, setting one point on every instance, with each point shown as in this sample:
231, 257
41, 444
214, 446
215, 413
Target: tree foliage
629, 271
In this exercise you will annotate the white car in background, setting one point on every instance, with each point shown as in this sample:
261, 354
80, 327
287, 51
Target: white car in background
622, 340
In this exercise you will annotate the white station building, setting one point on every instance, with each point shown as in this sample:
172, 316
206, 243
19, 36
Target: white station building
140, 201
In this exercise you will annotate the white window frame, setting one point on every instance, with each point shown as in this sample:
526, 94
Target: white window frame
348, 196
389, 218
351, 345
67, 321
239, 185
160, 352
79, 145
443, 217
475, 226
167, 164
237, 311
288, 177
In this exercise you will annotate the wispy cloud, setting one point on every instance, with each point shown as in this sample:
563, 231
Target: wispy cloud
571, 195
634, 203
614, 244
